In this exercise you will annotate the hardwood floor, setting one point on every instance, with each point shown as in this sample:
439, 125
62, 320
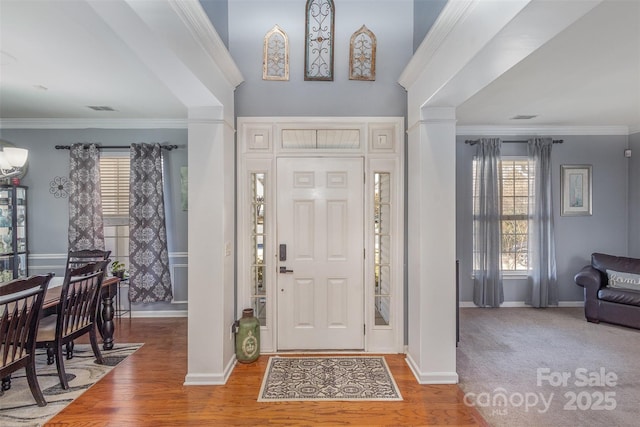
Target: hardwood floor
147, 390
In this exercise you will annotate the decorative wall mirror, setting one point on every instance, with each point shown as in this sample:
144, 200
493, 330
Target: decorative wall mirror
362, 55
318, 51
275, 63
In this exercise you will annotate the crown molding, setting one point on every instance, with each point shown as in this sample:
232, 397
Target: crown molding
634, 129
449, 17
200, 26
45, 123
541, 130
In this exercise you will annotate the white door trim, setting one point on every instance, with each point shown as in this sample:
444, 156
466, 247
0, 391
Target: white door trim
380, 141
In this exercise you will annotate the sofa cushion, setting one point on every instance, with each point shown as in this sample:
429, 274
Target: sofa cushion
620, 296
623, 280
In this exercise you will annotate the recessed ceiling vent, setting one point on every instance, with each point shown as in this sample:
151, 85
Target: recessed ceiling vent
101, 108
523, 117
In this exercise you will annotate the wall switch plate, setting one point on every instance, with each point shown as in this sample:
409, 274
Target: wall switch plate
627, 153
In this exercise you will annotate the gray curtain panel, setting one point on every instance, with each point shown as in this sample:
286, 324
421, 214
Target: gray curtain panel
149, 277
487, 282
542, 250
86, 229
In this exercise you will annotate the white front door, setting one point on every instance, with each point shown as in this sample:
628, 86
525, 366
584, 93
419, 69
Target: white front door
320, 301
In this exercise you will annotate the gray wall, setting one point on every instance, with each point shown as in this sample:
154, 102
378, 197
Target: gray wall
218, 13
425, 13
249, 21
48, 216
634, 196
576, 237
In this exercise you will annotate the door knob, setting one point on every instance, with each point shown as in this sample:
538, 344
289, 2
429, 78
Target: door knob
283, 269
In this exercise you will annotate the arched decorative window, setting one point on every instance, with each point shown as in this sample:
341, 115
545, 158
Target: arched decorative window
318, 51
275, 63
362, 55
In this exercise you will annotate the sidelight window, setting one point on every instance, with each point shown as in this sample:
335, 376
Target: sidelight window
382, 247
258, 267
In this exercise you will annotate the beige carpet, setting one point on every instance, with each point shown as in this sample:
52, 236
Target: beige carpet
548, 367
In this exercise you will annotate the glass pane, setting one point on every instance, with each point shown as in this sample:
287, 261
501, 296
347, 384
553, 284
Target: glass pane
508, 261
508, 206
257, 278
383, 310
258, 236
384, 219
384, 249
259, 306
22, 265
382, 246
384, 280
521, 205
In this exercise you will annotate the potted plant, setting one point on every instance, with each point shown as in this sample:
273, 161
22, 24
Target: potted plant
117, 269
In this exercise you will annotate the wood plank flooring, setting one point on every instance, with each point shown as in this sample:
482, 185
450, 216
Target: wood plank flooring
147, 390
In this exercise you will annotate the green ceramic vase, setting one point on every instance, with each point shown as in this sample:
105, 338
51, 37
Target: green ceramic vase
248, 337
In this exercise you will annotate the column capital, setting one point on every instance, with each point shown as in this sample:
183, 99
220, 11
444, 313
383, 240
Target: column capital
437, 114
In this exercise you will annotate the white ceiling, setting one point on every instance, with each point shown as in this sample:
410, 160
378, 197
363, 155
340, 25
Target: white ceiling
59, 57
588, 75
67, 48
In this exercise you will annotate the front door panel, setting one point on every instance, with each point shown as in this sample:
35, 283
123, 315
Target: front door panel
320, 285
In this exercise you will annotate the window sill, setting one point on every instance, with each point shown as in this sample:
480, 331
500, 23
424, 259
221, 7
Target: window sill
512, 275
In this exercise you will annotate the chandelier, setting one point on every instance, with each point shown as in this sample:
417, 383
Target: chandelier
12, 160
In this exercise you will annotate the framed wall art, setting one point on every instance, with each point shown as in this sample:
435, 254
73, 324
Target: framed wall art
575, 190
362, 55
318, 47
275, 62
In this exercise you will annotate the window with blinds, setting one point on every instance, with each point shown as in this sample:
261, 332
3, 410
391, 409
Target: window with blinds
516, 178
114, 183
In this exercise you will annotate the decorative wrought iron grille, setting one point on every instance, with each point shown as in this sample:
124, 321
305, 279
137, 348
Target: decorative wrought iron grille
362, 55
319, 40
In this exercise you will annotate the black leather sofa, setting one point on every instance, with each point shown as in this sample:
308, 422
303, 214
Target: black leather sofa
603, 303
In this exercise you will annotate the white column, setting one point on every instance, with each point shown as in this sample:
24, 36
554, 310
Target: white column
211, 226
431, 247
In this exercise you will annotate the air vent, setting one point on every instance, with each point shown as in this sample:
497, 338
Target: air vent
101, 108
523, 117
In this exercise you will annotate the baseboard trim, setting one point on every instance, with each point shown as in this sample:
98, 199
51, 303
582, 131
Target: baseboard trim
211, 379
159, 313
522, 304
431, 377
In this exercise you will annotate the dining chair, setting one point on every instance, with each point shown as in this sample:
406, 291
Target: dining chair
76, 314
79, 258
20, 312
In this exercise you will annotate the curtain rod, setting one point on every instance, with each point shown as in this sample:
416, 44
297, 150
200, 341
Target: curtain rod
475, 141
167, 147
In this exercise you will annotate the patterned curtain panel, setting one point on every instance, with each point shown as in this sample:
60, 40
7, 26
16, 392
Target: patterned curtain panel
149, 279
86, 230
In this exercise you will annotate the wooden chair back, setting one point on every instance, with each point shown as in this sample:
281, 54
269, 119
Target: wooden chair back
20, 312
79, 300
76, 315
80, 258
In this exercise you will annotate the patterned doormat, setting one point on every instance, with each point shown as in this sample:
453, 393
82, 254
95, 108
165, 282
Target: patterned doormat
17, 406
328, 378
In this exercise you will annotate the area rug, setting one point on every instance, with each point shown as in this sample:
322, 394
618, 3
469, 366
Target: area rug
17, 406
328, 378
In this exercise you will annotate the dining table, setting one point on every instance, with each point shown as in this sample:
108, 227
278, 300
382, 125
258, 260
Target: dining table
105, 314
